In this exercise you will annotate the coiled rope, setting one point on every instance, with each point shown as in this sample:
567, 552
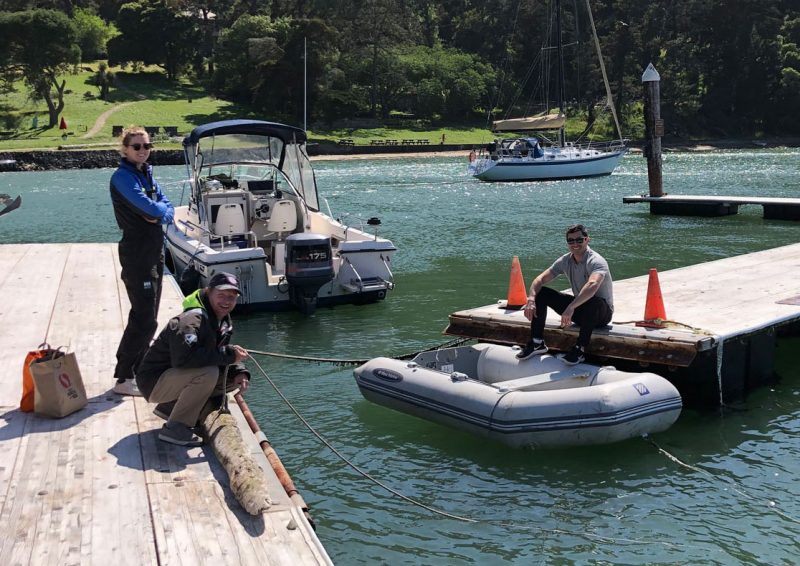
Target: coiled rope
668, 324
348, 462
356, 362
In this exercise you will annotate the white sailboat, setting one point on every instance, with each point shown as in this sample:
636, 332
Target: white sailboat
524, 158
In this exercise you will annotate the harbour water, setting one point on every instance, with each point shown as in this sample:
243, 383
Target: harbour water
719, 487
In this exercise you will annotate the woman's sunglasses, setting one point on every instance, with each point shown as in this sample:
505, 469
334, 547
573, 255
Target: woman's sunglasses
138, 146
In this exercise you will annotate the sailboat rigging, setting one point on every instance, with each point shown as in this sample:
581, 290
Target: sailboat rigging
524, 158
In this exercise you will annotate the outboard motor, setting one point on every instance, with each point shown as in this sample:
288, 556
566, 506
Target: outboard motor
309, 266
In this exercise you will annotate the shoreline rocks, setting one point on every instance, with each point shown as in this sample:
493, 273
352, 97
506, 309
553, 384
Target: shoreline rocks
47, 160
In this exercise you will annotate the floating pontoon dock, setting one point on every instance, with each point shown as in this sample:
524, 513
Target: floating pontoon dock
98, 487
775, 208
721, 344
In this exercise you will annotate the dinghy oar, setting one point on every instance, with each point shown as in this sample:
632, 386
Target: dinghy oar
12, 206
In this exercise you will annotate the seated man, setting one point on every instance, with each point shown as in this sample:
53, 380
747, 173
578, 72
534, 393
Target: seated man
591, 304
191, 360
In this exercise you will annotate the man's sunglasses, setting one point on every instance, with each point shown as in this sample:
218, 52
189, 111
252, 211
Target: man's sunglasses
138, 146
576, 240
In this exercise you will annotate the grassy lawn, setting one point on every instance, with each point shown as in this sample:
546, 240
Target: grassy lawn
147, 98
144, 98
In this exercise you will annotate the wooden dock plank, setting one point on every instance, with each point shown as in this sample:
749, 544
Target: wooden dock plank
727, 297
86, 316
30, 292
96, 487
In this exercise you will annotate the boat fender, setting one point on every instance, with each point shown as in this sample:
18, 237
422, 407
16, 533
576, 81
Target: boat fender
458, 376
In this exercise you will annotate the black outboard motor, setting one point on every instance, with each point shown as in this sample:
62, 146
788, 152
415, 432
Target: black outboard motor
309, 266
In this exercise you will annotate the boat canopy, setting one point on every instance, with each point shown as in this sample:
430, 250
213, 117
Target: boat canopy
255, 127
538, 122
228, 142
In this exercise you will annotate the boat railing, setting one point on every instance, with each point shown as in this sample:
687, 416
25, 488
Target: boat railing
360, 284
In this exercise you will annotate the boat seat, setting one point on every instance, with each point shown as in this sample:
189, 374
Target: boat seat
230, 220
282, 220
531, 382
230, 225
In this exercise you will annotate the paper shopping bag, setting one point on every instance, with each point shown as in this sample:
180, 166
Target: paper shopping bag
58, 386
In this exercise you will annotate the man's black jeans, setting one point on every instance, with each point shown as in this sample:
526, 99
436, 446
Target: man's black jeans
590, 315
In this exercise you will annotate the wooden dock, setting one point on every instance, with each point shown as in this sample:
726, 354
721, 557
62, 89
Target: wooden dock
775, 208
725, 317
98, 487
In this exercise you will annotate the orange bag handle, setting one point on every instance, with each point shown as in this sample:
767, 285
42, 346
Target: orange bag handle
28, 391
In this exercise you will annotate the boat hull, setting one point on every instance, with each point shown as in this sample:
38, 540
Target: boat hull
533, 403
361, 272
547, 168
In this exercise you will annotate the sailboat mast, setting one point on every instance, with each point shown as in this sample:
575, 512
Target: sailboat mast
560, 56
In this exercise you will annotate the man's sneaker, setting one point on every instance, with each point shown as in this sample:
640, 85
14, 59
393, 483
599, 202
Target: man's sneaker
179, 434
574, 356
532, 348
127, 387
164, 410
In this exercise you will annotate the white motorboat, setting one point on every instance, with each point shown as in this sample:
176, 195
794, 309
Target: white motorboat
254, 211
525, 158
485, 389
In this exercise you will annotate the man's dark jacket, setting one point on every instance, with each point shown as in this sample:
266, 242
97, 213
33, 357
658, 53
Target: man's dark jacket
193, 339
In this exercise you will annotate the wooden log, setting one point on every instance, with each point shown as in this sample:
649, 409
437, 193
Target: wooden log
247, 481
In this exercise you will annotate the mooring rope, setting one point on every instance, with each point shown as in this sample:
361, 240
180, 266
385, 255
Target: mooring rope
356, 362
344, 459
735, 487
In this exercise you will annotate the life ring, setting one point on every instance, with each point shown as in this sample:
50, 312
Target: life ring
472, 156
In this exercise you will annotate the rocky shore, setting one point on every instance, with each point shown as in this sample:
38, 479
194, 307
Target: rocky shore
42, 160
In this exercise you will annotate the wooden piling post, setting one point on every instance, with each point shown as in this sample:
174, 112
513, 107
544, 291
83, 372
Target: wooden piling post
654, 129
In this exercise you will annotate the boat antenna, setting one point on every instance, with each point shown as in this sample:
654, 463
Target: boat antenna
560, 55
305, 79
609, 98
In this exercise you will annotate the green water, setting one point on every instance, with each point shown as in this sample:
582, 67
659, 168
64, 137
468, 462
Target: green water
732, 499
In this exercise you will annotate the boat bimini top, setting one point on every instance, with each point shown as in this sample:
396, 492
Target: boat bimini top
251, 149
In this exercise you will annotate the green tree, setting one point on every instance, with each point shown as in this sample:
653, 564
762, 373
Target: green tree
245, 54
156, 33
789, 90
375, 27
444, 82
103, 79
39, 46
93, 34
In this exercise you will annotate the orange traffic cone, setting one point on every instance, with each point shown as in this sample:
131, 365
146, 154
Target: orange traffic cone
63, 125
517, 295
654, 313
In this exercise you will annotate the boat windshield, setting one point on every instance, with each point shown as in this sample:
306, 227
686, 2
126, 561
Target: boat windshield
247, 157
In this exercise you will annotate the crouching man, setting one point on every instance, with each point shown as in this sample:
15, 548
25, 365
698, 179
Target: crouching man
192, 360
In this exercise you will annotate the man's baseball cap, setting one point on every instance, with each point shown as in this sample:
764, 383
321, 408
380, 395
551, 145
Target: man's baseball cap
224, 282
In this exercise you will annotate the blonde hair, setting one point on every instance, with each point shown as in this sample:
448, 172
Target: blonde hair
128, 133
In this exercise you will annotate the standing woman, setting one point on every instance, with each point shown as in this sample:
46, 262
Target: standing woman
140, 209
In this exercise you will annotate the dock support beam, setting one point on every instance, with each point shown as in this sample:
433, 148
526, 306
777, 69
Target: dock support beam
654, 129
